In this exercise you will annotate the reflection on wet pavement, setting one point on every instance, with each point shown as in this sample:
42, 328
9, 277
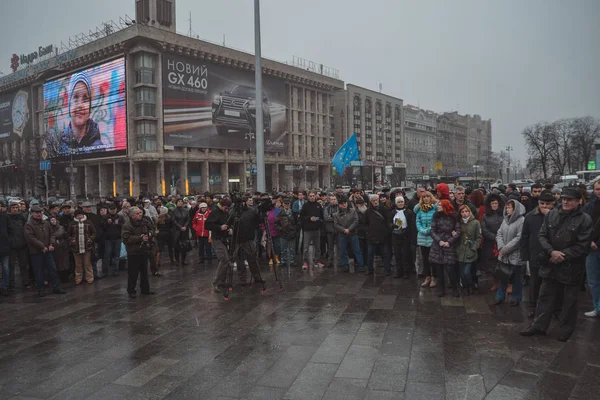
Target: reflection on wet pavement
326, 336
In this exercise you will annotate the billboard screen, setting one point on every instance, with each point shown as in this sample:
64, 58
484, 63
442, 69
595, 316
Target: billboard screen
85, 112
15, 115
208, 105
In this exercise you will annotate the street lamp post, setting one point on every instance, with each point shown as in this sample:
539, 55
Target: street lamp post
260, 133
508, 149
476, 167
72, 178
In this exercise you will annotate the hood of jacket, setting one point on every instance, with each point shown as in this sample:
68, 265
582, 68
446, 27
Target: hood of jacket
494, 197
519, 211
82, 220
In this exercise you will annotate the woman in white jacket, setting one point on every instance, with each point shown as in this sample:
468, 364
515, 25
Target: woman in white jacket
507, 239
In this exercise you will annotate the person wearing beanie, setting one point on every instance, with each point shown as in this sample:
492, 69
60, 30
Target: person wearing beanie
445, 233
202, 234
82, 135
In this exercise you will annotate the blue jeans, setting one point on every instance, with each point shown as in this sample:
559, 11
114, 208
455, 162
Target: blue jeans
352, 240
465, 274
384, 251
288, 250
112, 252
39, 262
592, 267
276, 246
517, 291
5, 270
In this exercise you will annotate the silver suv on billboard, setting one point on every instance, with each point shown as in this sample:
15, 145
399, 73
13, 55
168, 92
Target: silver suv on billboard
236, 109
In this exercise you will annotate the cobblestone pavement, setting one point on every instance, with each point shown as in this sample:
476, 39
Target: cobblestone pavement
327, 336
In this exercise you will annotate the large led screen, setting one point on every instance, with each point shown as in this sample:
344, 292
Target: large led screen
208, 105
15, 117
85, 113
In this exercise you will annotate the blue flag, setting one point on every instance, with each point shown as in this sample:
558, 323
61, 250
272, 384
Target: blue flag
347, 153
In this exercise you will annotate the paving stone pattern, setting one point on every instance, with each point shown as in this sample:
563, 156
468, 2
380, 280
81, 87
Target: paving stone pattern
328, 335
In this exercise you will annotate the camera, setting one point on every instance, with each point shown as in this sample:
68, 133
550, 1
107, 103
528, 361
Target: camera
265, 205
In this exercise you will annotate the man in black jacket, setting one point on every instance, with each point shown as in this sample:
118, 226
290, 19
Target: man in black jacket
311, 217
328, 213
137, 238
531, 247
379, 226
244, 242
18, 247
217, 224
565, 238
113, 224
98, 222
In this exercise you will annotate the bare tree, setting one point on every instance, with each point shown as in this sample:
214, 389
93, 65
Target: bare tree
538, 139
561, 134
586, 131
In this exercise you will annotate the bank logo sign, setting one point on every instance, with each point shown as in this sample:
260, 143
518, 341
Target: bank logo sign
208, 105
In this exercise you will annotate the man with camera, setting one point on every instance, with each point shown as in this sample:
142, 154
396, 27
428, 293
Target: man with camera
138, 238
248, 218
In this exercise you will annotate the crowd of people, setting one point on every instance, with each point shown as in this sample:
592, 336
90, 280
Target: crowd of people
545, 238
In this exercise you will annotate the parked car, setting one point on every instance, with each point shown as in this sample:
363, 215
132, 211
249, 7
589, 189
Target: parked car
236, 109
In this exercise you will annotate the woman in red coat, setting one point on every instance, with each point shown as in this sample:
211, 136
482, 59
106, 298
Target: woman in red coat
202, 234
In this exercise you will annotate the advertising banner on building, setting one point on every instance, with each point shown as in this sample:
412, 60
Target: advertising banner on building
15, 116
208, 105
85, 113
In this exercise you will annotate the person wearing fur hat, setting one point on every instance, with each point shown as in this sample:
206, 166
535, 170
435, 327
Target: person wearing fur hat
82, 236
82, 133
490, 223
202, 234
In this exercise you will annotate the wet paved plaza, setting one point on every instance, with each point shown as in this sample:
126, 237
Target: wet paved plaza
327, 336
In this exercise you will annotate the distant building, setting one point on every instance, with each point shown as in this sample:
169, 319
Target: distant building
377, 119
479, 140
452, 146
420, 128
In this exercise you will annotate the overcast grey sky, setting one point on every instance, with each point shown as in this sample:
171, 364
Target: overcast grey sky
514, 61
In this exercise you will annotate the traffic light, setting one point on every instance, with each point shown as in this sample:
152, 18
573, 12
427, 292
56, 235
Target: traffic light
41, 184
50, 181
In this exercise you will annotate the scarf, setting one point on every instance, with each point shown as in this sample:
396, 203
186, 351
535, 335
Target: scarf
81, 235
400, 221
425, 207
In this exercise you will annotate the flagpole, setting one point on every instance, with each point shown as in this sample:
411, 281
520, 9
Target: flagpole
361, 167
